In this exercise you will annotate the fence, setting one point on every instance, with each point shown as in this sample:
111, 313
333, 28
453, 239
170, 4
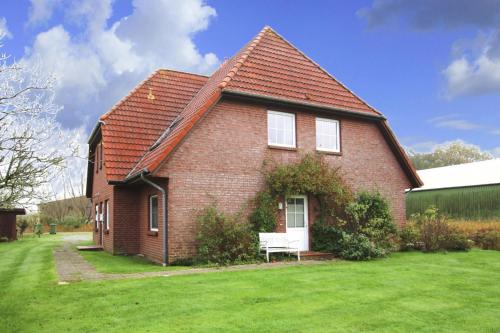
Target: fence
63, 228
469, 203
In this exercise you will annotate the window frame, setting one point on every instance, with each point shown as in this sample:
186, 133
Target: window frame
338, 141
101, 213
151, 212
106, 215
294, 131
96, 218
100, 156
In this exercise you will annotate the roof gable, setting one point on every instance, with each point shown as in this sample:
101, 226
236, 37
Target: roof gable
134, 123
268, 66
276, 68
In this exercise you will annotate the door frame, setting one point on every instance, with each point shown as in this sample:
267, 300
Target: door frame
306, 216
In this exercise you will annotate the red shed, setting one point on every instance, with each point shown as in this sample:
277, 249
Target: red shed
8, 222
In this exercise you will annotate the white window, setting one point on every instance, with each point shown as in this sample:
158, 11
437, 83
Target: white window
327, 135
281, 129
106, 215
153, 213
97, 216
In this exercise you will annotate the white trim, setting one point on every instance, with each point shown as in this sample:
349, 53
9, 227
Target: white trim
96, 217
337, 138
285, 114
106, 214
151, 213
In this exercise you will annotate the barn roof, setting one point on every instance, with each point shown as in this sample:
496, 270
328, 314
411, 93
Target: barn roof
461, 175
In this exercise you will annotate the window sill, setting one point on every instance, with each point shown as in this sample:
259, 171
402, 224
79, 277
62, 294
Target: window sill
153, 233
327, 152
282, 148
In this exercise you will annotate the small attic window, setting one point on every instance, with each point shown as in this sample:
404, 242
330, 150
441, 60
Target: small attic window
166, 133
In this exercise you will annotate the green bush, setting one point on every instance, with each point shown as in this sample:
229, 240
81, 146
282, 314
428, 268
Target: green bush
409, 237
22, 224
224, 239
368, 230
327, 238
264, 216
370, 215
359, 247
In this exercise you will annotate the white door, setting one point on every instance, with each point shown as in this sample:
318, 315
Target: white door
296, 221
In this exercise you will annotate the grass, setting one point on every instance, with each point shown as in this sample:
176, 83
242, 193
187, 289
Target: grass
104, 262
407, 292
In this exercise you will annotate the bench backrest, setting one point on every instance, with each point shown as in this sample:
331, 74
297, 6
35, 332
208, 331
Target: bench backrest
273, 239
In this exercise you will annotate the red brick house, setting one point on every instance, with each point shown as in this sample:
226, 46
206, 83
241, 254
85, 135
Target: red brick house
179, 140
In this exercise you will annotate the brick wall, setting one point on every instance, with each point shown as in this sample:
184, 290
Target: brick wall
129, 217
151, 243
221, 159
101, 192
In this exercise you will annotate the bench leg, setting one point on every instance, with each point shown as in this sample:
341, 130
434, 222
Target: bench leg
298, 255
267, 256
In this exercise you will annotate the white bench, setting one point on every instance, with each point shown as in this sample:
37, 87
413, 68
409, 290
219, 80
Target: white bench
273, 242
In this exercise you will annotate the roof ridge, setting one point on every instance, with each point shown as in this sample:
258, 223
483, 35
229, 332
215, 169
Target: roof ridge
323, 70
181, 72
244, 55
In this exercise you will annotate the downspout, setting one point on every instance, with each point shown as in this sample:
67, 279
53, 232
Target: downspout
164, 215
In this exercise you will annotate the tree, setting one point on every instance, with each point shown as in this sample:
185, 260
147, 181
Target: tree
452, 153
30, 136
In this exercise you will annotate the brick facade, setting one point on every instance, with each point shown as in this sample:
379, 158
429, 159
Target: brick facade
220, 161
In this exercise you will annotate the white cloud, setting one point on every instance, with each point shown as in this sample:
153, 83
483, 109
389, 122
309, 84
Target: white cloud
474, 75
101, 64
40, 11
475, 69
4, 31
452, 122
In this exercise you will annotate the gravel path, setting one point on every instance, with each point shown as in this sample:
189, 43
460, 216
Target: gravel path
72, 267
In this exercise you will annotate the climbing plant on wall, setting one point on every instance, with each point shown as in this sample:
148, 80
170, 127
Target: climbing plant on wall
311, 175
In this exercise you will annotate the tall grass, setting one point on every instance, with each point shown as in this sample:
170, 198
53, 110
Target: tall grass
468, 203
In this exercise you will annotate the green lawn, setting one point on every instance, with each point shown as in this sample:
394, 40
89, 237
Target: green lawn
408, 292
107, 263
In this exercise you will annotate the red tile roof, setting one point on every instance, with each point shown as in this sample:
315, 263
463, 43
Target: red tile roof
276, 68
137, 121
136, 136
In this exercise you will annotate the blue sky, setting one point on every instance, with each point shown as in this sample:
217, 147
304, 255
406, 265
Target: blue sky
432, 67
